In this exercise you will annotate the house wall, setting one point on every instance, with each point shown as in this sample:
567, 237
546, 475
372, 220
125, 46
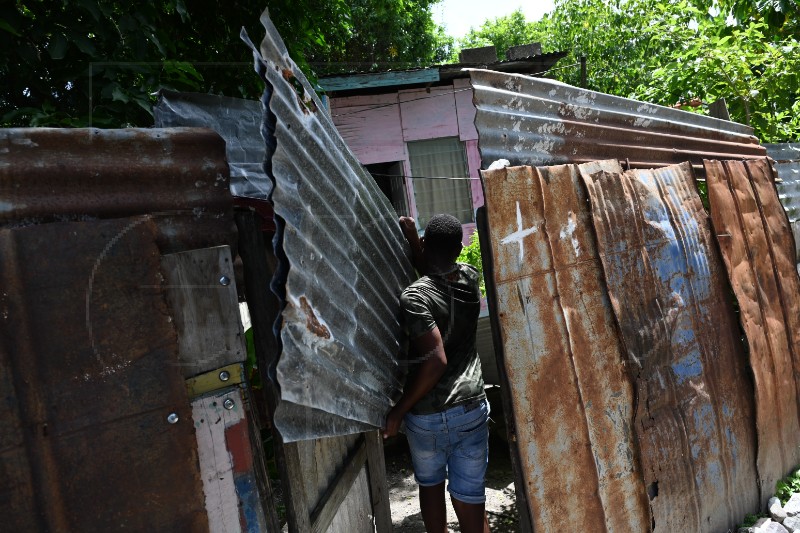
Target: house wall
377, 128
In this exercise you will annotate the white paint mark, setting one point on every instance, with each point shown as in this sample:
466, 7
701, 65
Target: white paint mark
22, 141
569, 231
519, 235
643, 122
516, 126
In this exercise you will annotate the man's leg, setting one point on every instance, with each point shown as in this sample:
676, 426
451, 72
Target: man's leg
432, 505
471, 516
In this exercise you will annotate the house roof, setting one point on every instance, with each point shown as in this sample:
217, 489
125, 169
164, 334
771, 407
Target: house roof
371, 82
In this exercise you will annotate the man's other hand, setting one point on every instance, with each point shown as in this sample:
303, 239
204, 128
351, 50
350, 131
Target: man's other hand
393, 420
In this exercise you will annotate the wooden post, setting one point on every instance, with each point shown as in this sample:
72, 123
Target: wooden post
259, 263
376, 470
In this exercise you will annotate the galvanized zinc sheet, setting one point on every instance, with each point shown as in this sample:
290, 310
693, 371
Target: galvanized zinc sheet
89, 375
694, 402
535, 121
238, 121
573, 403
787, 165
343, 264
51, 174
752, 231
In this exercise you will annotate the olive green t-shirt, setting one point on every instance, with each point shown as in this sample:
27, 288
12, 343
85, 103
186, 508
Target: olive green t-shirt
451, 302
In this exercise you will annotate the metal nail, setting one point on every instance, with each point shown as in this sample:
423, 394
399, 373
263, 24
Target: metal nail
172, 418
224, 281
228, 404
224, 375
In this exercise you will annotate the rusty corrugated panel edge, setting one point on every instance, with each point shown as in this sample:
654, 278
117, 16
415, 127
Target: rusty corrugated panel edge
535, 121
342, 263
753, 233
787, 165
177, 175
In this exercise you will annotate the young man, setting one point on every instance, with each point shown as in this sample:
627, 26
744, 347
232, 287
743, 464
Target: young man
443, 402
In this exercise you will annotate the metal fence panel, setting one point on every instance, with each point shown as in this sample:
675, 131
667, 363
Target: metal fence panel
343, 264
535, 121
694, 410
89, 378
571, 396
787, 165
756, 248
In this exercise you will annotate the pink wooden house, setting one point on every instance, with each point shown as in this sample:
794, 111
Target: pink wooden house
414, 132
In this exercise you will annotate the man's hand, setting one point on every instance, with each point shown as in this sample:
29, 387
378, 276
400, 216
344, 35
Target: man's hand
393, 420
409, 229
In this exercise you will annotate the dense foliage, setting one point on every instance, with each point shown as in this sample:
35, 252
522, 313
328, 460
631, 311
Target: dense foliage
674, 52
98, 62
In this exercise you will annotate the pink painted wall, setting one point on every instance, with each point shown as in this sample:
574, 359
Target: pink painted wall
377, 128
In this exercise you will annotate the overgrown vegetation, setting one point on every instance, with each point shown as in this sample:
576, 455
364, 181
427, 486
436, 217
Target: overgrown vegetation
471, 254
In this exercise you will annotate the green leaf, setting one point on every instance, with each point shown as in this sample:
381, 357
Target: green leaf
7, 27
57, 47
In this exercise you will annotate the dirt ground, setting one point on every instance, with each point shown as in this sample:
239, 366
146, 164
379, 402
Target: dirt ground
500, 498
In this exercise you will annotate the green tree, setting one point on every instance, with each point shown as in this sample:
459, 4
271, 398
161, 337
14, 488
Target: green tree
502, 32
98, 62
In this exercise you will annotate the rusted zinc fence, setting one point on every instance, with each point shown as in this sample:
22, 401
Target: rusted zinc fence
619, 347
120, 341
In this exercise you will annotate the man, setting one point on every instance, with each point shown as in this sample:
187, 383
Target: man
443, 403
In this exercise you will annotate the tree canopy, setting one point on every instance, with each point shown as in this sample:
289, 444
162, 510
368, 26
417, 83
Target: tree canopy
675, 52
98, 62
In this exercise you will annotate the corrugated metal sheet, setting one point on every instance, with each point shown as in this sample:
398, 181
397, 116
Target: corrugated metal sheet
236, 120
787, 165
694, 417
534, 121
343, 264
572, 401
754, 236
88, 375
81, 174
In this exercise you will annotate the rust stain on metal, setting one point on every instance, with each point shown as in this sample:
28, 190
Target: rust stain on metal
694, 410
572, 397
82, 174
756, 247
312, 322
89, 384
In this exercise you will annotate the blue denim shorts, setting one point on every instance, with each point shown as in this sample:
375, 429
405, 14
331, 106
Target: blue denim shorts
453, 445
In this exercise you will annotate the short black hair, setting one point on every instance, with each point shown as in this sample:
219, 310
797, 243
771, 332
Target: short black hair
443, 234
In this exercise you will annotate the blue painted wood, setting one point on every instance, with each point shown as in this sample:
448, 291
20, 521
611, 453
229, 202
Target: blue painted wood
379, 79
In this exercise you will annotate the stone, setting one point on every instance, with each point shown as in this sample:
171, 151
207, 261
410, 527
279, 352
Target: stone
792, 523
792, 507
776, 509
767, 525
483, 55
524, 51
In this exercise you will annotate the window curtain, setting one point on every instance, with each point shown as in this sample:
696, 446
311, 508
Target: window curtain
434, 158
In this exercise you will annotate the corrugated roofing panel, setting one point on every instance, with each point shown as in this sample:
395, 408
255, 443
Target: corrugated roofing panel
236, 120
694, 402
51, 174
787, 165
753, 234
343, 264
571, 395
535, 121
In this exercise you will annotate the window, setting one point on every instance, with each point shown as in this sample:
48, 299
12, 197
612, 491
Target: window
437, 158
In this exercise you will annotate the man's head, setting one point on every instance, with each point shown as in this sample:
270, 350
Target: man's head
443, 236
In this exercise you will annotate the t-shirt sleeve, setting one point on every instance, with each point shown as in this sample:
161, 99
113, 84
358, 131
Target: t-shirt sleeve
416, 314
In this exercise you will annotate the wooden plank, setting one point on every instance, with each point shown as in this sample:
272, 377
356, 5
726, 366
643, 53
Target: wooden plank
201, 293
259, 264
428, 113
326, 509
379, 79
219, 378
379, 489
465, 110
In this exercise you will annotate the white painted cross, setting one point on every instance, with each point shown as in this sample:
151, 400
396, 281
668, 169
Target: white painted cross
518, 235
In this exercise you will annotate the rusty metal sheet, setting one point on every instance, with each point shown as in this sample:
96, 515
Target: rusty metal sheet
177, 174
536, 121
343, 263
753, 235
571, 394
694, 401
89, 378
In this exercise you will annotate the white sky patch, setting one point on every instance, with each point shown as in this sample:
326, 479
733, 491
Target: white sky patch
457, 16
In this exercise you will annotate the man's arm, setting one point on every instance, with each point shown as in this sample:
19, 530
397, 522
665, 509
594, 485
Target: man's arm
430, 347
409, 229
